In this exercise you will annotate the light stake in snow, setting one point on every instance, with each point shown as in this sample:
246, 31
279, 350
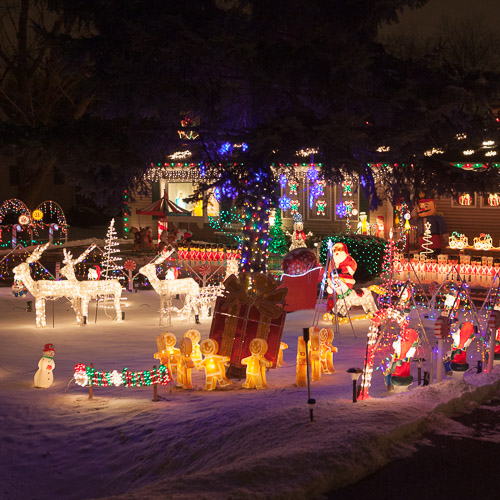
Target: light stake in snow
419, 362
310, 401
355, 373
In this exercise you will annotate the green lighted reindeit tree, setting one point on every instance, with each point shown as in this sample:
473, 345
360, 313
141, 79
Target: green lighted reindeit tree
277, 243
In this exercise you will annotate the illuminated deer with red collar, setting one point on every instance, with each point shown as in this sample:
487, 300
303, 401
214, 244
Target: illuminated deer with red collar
43, 290
168, 288
91, 289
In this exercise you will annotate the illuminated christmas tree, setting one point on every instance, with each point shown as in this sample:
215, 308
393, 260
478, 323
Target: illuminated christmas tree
110, 261
277, 243
427, 237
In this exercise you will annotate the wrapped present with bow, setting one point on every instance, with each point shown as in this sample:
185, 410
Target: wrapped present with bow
249, 309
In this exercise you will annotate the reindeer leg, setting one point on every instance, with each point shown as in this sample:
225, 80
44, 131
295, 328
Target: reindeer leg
40, 313
118, 308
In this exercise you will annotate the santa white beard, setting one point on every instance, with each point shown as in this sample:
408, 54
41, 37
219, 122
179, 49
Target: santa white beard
338, 258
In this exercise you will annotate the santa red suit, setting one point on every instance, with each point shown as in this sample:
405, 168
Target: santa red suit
404, 350
461, 340
345, 267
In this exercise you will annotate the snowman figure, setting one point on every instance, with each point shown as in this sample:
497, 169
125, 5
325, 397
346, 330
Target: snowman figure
298, 235
44, 377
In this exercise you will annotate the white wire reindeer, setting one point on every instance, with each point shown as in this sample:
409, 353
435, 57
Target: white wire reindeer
43, 290
92, 289
168, 288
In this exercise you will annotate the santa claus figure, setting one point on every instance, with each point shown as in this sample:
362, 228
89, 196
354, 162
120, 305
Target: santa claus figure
298, 235
461, 340
404, 349
341, 271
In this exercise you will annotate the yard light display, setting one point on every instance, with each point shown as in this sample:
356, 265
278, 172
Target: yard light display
44, 290
314, 353
214, 365
399, 367
301, 366
44, 376
185, 364
283, 346
461, 340
88, 376
458, 241
381, 318
256, 365
327, 350
195, 337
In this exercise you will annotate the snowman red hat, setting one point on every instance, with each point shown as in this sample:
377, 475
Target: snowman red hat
48, 347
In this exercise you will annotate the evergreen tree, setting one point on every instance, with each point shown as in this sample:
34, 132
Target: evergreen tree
110, 259
277, 242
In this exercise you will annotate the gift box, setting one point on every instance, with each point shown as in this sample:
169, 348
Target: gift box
244, 314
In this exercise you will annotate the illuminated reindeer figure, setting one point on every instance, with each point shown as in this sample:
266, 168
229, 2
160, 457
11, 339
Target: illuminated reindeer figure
43, 290
168, 288
91, 289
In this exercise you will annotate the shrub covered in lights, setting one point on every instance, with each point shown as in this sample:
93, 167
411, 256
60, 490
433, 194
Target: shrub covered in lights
367, 251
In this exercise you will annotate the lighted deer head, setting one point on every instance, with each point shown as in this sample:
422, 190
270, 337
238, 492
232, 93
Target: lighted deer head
23, 269
68, 271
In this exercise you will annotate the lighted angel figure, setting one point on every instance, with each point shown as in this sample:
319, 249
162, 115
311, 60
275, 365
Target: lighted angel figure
256, 365
214, 364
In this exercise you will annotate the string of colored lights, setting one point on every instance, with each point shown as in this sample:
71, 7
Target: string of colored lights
88, 376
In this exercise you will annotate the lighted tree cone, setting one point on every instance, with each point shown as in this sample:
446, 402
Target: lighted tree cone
301, 368
327, 350
44, 376
256, 365
185, 364
461, 340
283, 346
314, 353
196, 356
214, 365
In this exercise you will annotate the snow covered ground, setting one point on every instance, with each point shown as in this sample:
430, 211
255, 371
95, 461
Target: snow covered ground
56, 443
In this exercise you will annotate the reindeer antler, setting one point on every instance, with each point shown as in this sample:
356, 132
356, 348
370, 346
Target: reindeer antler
37, 253
162, 256
67, 257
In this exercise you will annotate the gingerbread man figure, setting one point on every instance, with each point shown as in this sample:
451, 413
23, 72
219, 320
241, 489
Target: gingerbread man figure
283, 346
314, 353
173, 353
326, 350
162, 354
185, 364
256, 365
214, 364
301, 375
195, 337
